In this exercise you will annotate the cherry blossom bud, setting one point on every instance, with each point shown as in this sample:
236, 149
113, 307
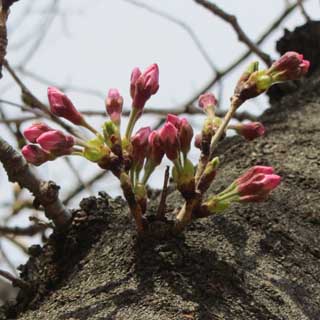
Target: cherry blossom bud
139, 143
155, 151
175, 120
258, 187
185, 135
35, 155
144, 85
61, 106
35, 130
208, 102
254, 171
170, 141
114, 103
136, 73
56, 141
290, 66
251, 130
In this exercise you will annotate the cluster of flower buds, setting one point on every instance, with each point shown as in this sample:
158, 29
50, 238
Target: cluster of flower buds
253, 186
47, 144
290, 66
126, 156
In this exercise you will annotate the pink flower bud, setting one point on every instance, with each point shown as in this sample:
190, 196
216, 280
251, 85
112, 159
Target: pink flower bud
144, 85
185, 131
140, 145
259, 185
35, 155
208, 102
136, 73
35, 130
155, 151
290, 66
185, 135
114, 105
61, 106
251, 130
175, 120
254, 171
169, 140
56, 141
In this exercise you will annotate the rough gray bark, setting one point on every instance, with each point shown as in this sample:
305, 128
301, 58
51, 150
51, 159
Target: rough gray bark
46, 192
257, 261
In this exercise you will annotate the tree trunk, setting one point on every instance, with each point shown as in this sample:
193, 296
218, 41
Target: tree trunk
255, 261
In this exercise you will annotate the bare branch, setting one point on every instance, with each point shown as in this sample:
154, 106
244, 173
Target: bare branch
17, 120
181, 24
303, 10
242, 58
79, 188
15, 281
45, 192
23, 231
232, 20
63, 87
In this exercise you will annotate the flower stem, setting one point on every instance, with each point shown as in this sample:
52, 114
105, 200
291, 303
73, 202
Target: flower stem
235, 103
88, 126
132, 120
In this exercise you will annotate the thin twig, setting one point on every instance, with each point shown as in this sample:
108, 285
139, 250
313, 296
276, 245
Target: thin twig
303, 10
162, 204
63, 87
16, 282
77, 174
80, 188
181, 24
23, 231
242, 58
232, 20
17, 120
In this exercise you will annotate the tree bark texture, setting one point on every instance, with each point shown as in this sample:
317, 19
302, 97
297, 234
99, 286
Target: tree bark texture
255, 261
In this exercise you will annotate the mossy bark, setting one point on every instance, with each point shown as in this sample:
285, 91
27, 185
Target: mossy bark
255, 261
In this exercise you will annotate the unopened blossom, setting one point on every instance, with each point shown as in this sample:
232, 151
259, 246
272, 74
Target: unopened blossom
170, 140
155, 149
185, 131
139, 143
114, 104
251, 130
33, 132
35, 155
208, 102
56, 141
144, 85
254, 171
258, 187
61, 106
185, 135
290, 66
